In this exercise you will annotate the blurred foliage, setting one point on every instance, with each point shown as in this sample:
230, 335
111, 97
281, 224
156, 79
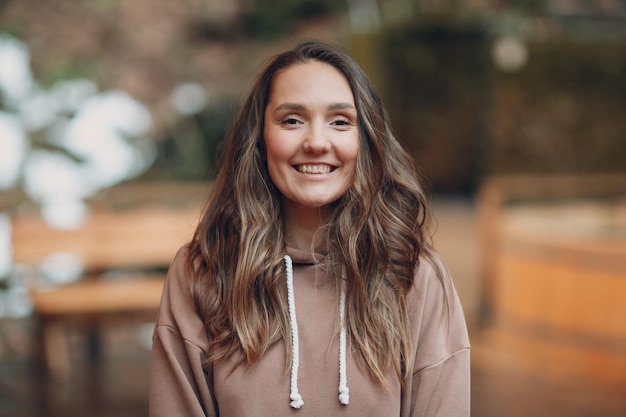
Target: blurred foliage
273, 18
462, 119
68, 68
563, 112
434, 78
189, 151
459, 116
12, 29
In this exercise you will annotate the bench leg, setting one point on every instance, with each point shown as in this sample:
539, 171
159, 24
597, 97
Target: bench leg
56, 349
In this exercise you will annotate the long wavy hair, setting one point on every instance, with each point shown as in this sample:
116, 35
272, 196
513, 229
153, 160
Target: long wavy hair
374, 235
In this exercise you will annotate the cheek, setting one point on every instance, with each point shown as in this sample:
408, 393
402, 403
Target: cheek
276, 153
274, 148
278, 156
349, 152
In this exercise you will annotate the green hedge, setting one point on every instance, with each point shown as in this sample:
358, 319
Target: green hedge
562, 112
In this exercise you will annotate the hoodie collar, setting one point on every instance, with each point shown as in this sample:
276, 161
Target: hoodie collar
305, 257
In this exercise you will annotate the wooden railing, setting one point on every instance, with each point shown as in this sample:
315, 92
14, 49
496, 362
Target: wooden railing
554, 299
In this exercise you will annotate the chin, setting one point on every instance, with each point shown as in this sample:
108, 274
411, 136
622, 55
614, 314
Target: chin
319, 203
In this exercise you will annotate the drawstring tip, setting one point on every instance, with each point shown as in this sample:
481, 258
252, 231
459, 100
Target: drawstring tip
344, 395
296, 401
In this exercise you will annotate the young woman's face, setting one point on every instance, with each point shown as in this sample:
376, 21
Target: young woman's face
311, 135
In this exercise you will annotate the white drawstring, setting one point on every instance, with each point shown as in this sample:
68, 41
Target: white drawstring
344, 392
296, 398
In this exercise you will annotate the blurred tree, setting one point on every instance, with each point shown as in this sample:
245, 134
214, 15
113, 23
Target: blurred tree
273, 18
563, 112
436, 87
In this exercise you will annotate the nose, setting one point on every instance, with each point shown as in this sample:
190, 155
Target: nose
316, 140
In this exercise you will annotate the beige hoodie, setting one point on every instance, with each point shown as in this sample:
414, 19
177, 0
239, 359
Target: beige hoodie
438, 386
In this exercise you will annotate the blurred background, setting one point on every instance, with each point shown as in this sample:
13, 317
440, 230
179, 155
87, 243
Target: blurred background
111, 114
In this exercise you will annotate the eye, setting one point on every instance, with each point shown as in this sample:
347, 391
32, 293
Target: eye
290, 121
342, 122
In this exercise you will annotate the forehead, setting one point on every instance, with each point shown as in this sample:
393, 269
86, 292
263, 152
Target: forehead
311, 78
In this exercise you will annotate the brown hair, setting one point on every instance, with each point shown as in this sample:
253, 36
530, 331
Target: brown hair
375, 234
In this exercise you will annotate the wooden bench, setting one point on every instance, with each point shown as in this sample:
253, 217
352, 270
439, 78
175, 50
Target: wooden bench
125, 246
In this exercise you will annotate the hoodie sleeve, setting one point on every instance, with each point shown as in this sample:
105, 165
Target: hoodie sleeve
440, 383
179, 386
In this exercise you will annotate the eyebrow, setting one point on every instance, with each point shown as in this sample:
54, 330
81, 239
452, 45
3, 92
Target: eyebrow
341, 106
298, 106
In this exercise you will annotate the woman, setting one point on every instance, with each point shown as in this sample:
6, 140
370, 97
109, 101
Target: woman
309, 287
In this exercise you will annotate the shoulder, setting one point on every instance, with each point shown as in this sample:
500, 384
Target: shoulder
178, 311
432, 281
177, 281
180, 259
437, 320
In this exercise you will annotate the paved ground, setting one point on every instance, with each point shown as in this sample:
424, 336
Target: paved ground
117, 385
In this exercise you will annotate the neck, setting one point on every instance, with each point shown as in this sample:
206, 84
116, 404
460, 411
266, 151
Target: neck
302, 225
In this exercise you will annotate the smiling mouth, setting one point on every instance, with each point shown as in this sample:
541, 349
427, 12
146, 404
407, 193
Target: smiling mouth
314, 169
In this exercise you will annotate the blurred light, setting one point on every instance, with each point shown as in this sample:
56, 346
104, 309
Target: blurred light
108, 158
144, 153
16, 80
42, 108
65, 214
509, 54
13, 144
37, 110
189, 99
114, 112
50, 176
69, 95
62, 268
99, 134
15, 302
99, 139
364, 15
100, 151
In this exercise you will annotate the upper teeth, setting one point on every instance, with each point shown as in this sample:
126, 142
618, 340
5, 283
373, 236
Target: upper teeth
314, 169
